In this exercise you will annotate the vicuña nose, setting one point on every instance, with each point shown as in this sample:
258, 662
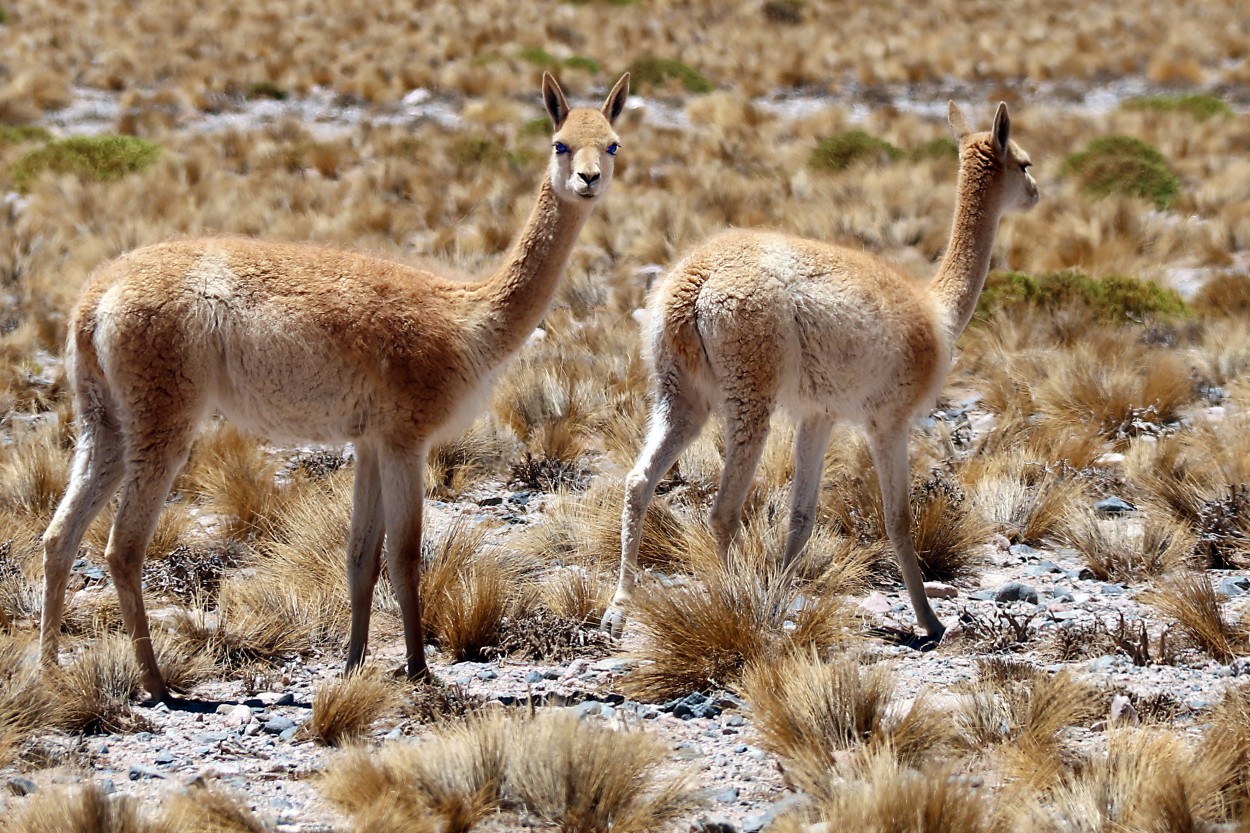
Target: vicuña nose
589, 179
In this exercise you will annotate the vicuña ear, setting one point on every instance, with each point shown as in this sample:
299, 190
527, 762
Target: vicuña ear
959, 125
615, 102
1002, 129
553, 98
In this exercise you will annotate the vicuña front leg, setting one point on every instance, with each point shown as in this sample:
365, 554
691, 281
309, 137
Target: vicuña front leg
889, 451
402, 491
675, 422
364, 549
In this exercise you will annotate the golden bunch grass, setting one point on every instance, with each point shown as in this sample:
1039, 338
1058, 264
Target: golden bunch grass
85, 809
1019, 722
702, 635
1021, 498
1227, 740
1148, 780
458, 464
577, 593
1190, 599
586, 778
810, 713
878, 793
25, 703
33, 474
1129, 550
344, 709
455, 776
205, 808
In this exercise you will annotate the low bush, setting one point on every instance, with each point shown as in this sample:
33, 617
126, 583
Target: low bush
1123, 165
839, 152
102, 158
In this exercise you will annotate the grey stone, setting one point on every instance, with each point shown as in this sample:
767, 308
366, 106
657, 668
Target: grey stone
735, 720
143, 737
1111, 590
614, 664
278, 725
713, 823
1113, 506
487, 674
986, 595
1103, 664
164, 757
1233, 586
726, 796
1014, 591
107, 786
687, 750
21, 786
1059, 594
140, 773
287, 699
534, 677
1024, 551
758, 821
287, 734
493, 500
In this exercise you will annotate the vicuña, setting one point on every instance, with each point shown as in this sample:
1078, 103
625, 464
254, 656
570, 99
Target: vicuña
751, 320
307, 343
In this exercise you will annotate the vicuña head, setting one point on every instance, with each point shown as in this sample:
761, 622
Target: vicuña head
302, 342
752, 320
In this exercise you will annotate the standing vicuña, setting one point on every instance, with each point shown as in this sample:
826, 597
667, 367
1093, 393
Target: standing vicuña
309, 343
753, 319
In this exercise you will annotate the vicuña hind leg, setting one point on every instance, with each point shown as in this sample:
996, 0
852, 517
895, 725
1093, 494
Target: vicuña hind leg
746, 429
675, 422
144, 489
889, 452
97, 470
809, 462
364, 549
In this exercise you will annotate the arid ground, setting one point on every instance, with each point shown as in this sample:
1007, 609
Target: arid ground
1081, 494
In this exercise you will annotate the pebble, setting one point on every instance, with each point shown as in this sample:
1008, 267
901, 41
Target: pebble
287, 699
238, 716
487, 674
278, 725
21, 786
1024, 551
1113, 506
535, 677
1233, 586
1014, 591
939, 590
139, 773
713, 823
687, 750
163, 757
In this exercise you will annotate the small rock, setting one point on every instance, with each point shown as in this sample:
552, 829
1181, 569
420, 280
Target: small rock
534, 677
1113, 506
713, 823
614, 664
939, 590
278, 725
726, 796
1023, 551
1014, 591
986, 595
487, 674
164, 757
735, 720
21, 786
1233, 586
876, 603
1111, 590
287, 699
687, 750
239, 716
493, 500
140, 773
287, 734
224, 708
107, 786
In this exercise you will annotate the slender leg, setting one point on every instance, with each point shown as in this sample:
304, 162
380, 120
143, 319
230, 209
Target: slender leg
97, 470
746, 429
364, 546
401, 499
675, 422
144, 489
809, 460
889, 452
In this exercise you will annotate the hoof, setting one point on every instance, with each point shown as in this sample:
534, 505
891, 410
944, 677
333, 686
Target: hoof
613, 621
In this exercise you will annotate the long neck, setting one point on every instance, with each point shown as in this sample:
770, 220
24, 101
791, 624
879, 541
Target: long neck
511, 303
961, 276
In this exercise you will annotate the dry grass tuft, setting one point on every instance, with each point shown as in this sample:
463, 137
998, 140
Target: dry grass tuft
585, 778
33, 474
93, 693
87, 809
344, 709
1228, 739
881, 794
456, 775
1120, 550
466, 593
809, 713
204, 808
1190, 599
702, 635
25, 703
1022, 499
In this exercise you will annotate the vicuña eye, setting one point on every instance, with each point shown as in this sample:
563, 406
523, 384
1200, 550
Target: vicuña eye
561, 148
613, 148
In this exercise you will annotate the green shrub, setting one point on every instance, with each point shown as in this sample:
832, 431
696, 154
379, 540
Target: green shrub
477, 150
4, 17
788, 12
13, 134
589, 65
540, 126
649, 71
266, 89
1116, 298
102, 158
539, 57
943, 147
1123, 165
1200, 107
837, 153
